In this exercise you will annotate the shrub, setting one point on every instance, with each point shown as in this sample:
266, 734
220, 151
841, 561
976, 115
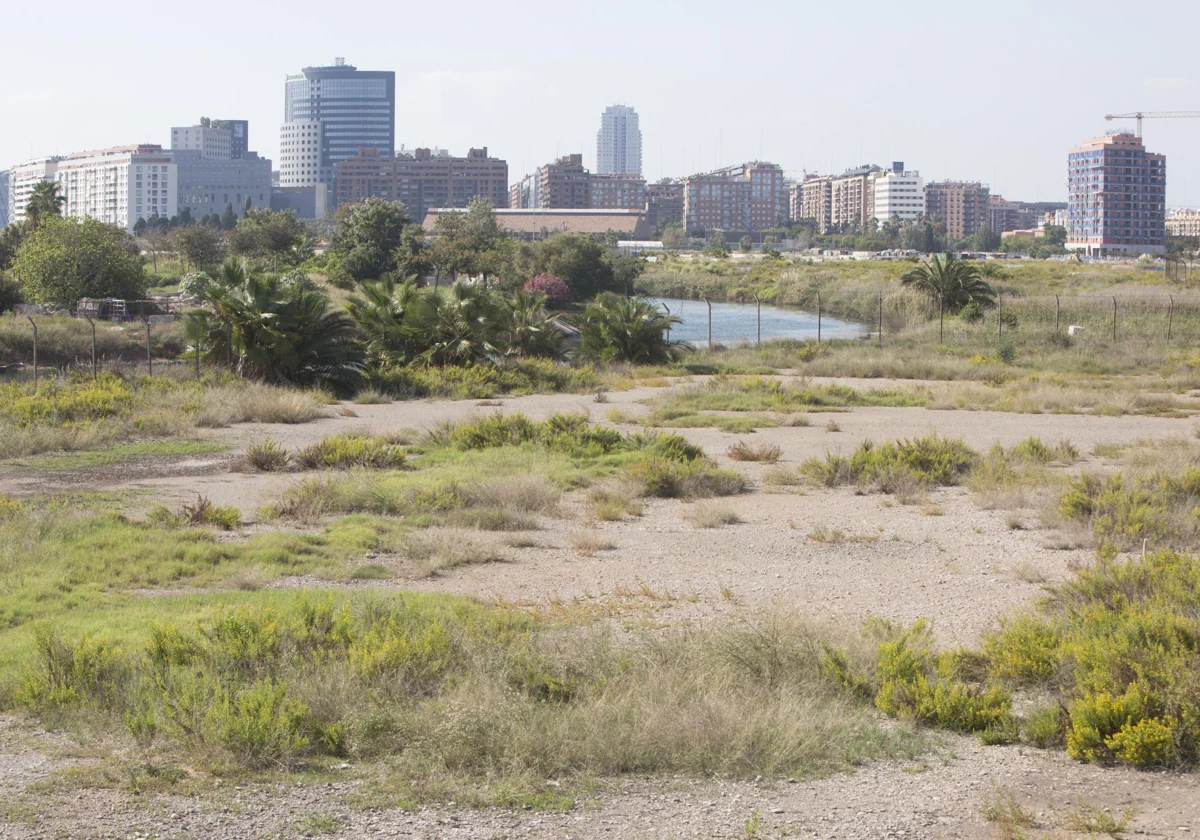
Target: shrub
670, 479
259, 725
767, 453
555, 289
343, 452
267, 456
931, 460
1044, 727
707, 515
1158, 507
203, 512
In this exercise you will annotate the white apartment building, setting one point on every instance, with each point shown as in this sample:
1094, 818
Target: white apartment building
22, 179
899, 195
211, 143
118, 186
619, 142
1183, 221
5, 178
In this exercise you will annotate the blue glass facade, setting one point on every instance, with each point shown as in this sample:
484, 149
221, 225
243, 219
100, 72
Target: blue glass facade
355, 108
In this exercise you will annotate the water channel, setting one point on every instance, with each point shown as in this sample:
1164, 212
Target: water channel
737, 323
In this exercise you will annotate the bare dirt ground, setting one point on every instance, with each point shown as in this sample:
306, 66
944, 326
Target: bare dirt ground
943, 557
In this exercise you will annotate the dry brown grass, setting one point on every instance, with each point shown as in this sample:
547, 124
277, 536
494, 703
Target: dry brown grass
712, 515
436, 552
587, 542
766, 453
614, 500
836, 536
254, 402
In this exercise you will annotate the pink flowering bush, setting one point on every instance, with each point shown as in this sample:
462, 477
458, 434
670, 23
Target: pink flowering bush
554, 288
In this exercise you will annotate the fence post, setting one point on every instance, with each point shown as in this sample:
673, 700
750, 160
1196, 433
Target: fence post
818, 319
707, 301
1170, 315
664, 306
1056, 313
879, 337
1114, 317
149, 360
941, 317
92, 324
196, 347
758, 304
999, 317
35, 339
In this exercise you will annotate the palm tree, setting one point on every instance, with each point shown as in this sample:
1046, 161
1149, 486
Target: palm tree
622, 329
393, 319
530, 330
951, 282
45, 199
465, 326
280, 332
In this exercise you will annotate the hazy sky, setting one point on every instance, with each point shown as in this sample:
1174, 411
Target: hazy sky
996, 92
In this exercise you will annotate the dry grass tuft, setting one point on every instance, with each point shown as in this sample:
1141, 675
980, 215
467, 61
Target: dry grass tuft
586, 542
613, 501
766, 453
435, 552
254, 402
712, 515
832, 426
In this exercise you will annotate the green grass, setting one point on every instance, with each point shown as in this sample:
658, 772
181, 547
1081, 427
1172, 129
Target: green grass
926, 461
295, 680
120, 452
773, 395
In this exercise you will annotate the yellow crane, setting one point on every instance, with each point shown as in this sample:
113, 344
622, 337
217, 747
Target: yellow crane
1153, 115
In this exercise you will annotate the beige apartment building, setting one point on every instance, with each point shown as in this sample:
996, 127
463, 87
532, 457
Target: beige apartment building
1183, 222
962, 206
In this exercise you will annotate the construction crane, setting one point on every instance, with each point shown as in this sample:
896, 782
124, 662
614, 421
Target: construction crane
1153, 115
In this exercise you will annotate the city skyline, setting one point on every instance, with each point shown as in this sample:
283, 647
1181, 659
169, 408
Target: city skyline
531, 107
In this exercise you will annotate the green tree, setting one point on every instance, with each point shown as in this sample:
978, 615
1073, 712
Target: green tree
623, 329
367, 237
10, 242
674, 237
200, 245
745, 244
281, 332
64, 260
279, 239
715, 246
45, 199
10, 294
470, 243
985, 240
229, 219
584, 264
952, 282
1055, 235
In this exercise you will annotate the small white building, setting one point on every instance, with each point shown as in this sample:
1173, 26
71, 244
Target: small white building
899, 194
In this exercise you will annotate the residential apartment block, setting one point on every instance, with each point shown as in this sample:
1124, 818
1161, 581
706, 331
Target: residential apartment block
619, 142
853, 198
812, 199
212, 143
423, 180
664, 204
120, 185
748, 197
566, 185
5, 179
898, 194
962, 206
563, 185
329, 114
616, 192
1183, 222
21, 181
1116, 197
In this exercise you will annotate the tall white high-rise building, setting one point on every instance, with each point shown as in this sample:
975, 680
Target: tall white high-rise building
21, 181
619, 142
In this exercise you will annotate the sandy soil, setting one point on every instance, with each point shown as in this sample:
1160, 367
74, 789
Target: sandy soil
942, 558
